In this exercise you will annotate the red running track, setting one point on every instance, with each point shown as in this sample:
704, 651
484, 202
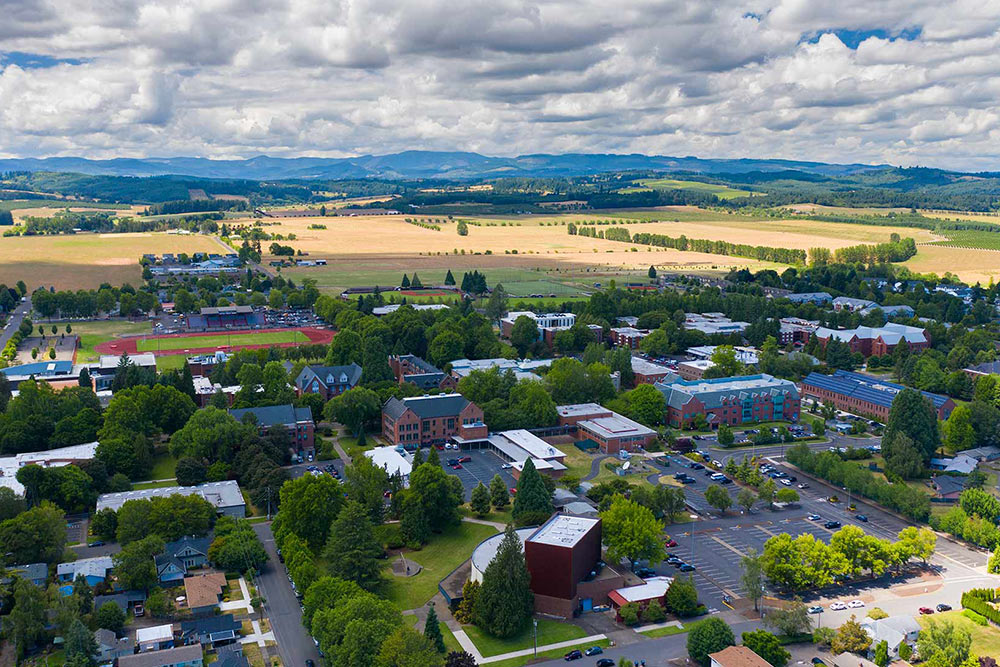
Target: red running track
130, 344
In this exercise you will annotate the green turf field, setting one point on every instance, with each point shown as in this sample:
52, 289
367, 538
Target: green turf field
195, 342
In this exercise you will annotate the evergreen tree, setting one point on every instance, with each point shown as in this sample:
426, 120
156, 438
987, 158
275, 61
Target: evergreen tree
449, 279
406, 282
533, 501
505, 600
80, 644
415, 282
652, 272
914, 416
85, 380
433, 458
432, 631
418, 458
352, 552
480, 501
499, 495
414, 525
375, 361
186, 383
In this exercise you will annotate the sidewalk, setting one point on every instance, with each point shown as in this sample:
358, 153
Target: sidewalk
258, 637
239, 604
470, 648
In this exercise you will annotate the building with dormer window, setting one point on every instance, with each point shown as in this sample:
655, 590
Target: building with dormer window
327, 381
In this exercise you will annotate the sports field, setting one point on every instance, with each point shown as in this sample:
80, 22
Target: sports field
84, 261
220, 340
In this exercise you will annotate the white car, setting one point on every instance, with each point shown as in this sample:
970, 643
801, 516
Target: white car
838, 606
855, 604
786, 482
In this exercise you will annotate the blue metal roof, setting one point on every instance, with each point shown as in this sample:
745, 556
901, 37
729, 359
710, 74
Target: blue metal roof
865, 388
45, 368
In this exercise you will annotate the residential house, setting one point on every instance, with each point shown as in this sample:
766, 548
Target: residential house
982, 454
654, 588
204, 591
93, 570
36, 573
211, 631
231, 655
893, 630
298, 422
155, 638
421, 421
110, 647
961, 464
736, 656
327, 381
125, 600
180, 556
947, 487
181, 656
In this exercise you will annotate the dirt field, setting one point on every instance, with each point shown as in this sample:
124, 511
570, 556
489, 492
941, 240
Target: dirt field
86, 260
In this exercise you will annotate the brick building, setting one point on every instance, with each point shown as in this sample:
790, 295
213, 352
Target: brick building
629, 337
610, 431
737, 400
413, 369
327, 381
796, 330
864, 395
877, 341
422, 421
646, 372
298, 422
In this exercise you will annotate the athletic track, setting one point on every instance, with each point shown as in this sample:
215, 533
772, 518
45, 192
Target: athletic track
130, 344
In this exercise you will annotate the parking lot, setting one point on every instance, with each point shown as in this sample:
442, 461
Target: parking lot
482, 467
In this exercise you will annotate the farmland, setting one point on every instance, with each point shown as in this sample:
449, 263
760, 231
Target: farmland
720, 191
86, 260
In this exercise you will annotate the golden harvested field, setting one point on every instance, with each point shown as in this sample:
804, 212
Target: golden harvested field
969, 265
81, 261
956, 215
49, 211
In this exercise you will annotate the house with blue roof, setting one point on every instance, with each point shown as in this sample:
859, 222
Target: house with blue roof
866, 395
185, 554
93, 570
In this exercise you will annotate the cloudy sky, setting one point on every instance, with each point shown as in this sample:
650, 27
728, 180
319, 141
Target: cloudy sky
914, 82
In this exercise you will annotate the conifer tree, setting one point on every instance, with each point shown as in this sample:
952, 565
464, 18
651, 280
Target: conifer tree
505, 601
533, 501
432, 631
480, 501
499, 495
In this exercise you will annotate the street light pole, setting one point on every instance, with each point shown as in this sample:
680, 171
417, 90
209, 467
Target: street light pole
534, 623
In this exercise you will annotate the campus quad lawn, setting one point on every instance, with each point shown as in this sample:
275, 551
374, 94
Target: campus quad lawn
552, 653
438, 558
163, 466
549, 632
222, 340
985, 640
170, 362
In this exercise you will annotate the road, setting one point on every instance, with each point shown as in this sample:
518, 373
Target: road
656, 652
14, 322
282, 608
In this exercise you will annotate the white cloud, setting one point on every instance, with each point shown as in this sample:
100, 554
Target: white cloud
761, 78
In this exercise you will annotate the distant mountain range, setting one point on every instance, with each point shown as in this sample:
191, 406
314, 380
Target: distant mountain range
419, 164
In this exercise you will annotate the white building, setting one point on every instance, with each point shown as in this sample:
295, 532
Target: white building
52, 458
224, 496
392, 461
542, 320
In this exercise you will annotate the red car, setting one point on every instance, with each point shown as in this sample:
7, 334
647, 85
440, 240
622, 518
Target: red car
926, 610
465, 459
513, 490
457, 466
670, 543
440, 447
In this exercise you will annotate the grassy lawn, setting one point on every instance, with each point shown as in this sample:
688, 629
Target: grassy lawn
350, 445
253, 655
666, 632
503, 516
450, 643
443, 554
221, 340
155, 485
170, 362
985, 640
94, 333
163, 466
577, 461
549, 632
554, 653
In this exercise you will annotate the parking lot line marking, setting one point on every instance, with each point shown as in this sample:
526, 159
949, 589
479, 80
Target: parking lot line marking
728, 546
769, 532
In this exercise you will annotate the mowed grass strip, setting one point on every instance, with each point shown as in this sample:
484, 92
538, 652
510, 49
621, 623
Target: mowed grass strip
549, 632
443, 554
985, 639
94, 333
222, 340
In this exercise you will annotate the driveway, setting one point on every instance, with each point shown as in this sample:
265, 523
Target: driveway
14, 322
281, 606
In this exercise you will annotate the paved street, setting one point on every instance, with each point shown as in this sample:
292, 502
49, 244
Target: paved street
282, 608
14, 322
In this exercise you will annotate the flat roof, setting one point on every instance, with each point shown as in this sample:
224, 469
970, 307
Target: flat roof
654, 587
563, 530
644, 367
390, 460
531, 443
221, 494
484, 554
615, 426
155, 633
581, 409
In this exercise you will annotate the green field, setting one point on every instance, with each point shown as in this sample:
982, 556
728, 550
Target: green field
543, 287
985, 640
443, 554
983, 239
170, 362
221, 340
720, 191
94, 333
16, 204
549, 632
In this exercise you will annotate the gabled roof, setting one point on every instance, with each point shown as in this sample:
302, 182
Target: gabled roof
31, 572
426, 407
738, 656
712, 393
330, 375
275, 415
171, 656
865, 387
210, 624
203, 590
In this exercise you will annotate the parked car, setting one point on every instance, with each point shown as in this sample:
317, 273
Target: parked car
605, 662
452, 462
815, 609
855, 604
575, 654
818, 662
674, 560
944, 607
832, 524
786, 482
803, 485
814, 517
138, 610
926, 610
594, 650
96, 543
697, 466
670, 543
862, 518
457, 466
837, 606
645, 572
687, 568
506, 466
464, 459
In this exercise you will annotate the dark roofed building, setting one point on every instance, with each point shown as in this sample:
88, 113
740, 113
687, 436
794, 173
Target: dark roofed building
180, 556
426, 376
125, 600
231, 655
36, 573
327, 381
212, 631
180, 656
298, 421
734, 400
422, 421
865, 395
948, 487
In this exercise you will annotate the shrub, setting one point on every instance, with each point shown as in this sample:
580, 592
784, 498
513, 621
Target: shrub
876, 613
978, 619
653, 613
629, 614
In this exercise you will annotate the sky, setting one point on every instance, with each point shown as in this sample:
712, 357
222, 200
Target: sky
905, 83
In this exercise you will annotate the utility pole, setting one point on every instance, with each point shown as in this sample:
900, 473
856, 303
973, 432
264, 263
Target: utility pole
534, 622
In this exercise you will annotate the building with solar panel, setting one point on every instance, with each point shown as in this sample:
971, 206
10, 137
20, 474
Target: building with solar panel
864, 395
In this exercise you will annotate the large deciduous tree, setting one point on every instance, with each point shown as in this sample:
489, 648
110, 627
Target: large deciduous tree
632, 532
707, 637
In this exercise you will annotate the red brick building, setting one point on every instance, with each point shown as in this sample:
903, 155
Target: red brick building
610, 431
413, 369
877, 341
423, 421
298, 421
629, 337
737, 400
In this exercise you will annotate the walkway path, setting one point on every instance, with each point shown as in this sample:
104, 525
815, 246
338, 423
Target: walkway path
496, 524
239, 604
469, 647
258, 637
595, 468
